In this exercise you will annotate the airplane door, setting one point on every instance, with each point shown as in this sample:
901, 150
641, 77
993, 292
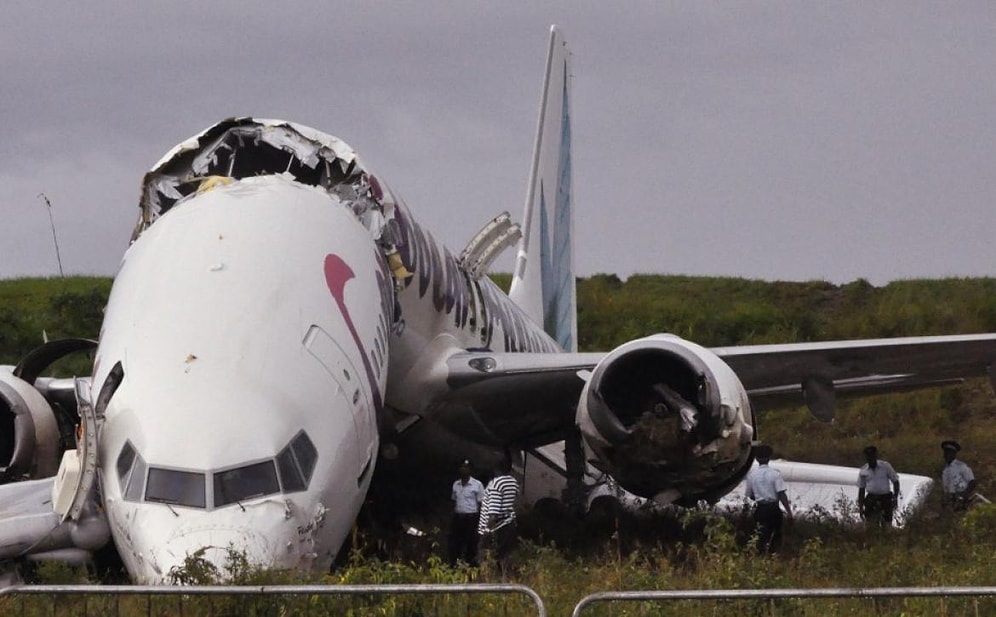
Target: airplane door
78, 470
335, 362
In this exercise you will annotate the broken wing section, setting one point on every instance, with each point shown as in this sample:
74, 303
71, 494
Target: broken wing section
815, 374
830, 492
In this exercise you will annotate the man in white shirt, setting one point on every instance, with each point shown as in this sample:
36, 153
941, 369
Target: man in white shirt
957, 479
878, 489
767, 488
468, 492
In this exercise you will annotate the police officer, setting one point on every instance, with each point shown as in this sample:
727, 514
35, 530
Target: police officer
957, 479
875, 501
766, 487
467, 495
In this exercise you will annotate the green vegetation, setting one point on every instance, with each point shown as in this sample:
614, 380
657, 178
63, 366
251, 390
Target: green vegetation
570, 559
33, 309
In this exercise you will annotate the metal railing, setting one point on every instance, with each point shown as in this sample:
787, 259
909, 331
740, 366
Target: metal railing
274, 590
772, 594
483, 588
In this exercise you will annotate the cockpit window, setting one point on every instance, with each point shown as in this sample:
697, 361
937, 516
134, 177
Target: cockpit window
297, 463
125, 459
290, 472
184, 488
244, 483
290, 475
131, 473
306, 455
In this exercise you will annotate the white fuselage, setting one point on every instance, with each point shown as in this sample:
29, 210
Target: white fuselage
244, 316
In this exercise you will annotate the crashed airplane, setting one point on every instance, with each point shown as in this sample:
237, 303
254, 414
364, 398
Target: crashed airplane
281, 327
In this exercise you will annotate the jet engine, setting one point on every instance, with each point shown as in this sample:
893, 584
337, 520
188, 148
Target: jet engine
668, 420
29, 433
31, 438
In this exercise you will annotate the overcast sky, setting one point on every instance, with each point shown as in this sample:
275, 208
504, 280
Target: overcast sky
771, 140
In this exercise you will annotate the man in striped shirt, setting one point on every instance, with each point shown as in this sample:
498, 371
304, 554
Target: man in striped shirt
497, 523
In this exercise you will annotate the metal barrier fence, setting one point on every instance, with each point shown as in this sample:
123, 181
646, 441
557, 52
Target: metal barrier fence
477, 589
772, 594
273, 590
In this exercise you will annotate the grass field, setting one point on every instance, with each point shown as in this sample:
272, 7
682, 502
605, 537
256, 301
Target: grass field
569, 559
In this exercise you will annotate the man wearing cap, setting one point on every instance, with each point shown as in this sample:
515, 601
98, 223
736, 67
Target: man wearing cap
767, 488
467, 495
876, 501
957, 479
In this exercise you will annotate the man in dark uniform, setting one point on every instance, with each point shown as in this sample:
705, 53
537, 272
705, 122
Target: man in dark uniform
767, 488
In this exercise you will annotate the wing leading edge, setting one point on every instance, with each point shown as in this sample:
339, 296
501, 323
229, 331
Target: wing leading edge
815, 373
531, 398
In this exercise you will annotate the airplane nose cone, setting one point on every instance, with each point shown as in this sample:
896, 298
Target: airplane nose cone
222, 552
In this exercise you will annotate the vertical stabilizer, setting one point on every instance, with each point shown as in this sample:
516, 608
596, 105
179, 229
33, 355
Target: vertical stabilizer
543, 281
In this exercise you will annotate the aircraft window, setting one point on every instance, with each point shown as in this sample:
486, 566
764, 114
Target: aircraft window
136, 482
296, 463
184, 488
131, 473
245, 483
290, 476
306, 455
125, 460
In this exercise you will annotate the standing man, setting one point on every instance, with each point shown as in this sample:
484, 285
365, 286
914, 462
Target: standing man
957, 479
875, 501
468, 492
497, 522
767, 488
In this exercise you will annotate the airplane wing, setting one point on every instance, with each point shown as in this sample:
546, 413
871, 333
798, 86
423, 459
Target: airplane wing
663, 411
814, 373
527, 399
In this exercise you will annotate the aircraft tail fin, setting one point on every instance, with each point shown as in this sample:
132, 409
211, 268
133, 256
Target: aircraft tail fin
543, 281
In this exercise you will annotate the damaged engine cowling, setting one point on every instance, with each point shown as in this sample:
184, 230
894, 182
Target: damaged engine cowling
29, 433
31, 438
668, 420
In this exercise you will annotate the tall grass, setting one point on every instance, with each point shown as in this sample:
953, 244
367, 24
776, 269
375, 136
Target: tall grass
694, 550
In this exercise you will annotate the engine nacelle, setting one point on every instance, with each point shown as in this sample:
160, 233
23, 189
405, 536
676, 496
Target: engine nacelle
29, 433
668, 419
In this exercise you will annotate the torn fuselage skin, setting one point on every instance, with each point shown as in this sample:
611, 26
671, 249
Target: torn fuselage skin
245, 147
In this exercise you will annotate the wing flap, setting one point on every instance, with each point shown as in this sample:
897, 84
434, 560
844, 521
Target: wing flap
879, 364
